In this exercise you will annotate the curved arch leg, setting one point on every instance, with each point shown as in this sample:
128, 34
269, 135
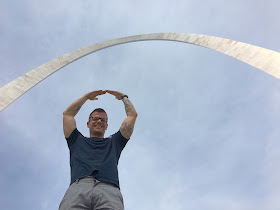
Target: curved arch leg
261, 58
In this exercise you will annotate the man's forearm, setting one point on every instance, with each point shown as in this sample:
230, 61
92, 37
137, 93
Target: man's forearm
129, 108
74, 108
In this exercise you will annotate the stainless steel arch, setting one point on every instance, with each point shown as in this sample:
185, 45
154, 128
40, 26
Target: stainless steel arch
261, 58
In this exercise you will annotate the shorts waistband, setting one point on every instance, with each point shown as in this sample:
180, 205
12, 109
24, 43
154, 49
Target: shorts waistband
86, 179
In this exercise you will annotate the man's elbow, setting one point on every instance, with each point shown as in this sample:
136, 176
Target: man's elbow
134, 114
68, 113
65, 113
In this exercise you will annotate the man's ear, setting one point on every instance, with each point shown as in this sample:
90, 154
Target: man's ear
87, 123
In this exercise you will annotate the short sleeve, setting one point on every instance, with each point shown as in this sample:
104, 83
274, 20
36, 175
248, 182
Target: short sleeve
73, 137
119, 141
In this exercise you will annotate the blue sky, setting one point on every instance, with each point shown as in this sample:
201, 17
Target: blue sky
207, 134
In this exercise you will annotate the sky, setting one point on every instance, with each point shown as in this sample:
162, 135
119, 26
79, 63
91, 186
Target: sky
207, 132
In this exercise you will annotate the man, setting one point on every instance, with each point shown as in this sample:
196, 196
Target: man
93, 161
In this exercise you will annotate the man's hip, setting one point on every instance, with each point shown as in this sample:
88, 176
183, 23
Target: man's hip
89, 193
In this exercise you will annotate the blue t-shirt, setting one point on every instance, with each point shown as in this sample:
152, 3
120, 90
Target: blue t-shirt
98, 157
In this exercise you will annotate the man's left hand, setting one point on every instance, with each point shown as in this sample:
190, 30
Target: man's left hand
115, 93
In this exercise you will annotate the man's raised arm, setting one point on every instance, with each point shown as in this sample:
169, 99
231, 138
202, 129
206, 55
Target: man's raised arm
69, 123
127, 126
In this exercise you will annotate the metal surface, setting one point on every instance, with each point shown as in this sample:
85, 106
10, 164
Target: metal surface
261, 58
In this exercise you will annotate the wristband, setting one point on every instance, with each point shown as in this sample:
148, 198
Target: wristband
124, 96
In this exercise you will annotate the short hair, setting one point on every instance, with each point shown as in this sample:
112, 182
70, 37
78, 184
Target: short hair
99, 110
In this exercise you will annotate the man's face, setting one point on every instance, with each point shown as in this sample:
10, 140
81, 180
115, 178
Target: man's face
97, 123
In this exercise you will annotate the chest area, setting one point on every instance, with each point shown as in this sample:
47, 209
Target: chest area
86, 148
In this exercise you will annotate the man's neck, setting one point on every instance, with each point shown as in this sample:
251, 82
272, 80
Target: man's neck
96, 135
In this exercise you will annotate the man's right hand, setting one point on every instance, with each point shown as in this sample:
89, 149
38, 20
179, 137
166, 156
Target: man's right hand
92, 95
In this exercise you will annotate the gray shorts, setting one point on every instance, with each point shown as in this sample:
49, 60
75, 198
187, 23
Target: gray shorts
89, 193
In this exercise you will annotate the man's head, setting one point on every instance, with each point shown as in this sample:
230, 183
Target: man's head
97, 123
